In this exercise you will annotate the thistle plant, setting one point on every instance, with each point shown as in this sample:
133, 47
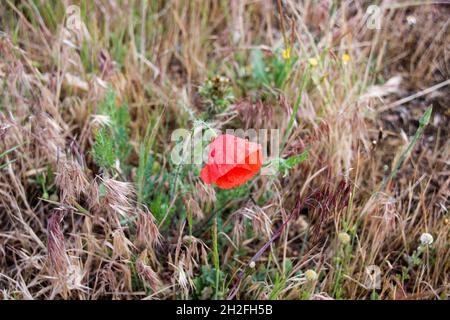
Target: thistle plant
217, 95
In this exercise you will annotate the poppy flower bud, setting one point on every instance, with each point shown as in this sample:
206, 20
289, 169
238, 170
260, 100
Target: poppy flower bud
232, 161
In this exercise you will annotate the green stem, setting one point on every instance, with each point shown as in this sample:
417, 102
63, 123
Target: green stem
216, 257
304, 82
422, 124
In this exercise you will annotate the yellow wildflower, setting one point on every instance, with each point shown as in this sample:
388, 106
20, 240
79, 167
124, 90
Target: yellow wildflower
286, 53
346, 57
313, 62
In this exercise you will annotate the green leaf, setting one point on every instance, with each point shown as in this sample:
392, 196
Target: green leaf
285, 165
425, 119
259, 67
7, 164
5, 153
296, 159
103, 151
113, 140
9, 151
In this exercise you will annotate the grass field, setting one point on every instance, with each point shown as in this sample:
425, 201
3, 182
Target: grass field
92, 205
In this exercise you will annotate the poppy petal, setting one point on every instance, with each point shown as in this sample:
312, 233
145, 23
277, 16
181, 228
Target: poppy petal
239, 175
231, 161
206, 176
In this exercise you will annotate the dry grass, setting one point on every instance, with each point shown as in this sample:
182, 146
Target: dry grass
92, 207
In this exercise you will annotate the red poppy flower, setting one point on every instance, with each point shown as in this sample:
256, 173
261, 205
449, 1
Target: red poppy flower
232, 161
